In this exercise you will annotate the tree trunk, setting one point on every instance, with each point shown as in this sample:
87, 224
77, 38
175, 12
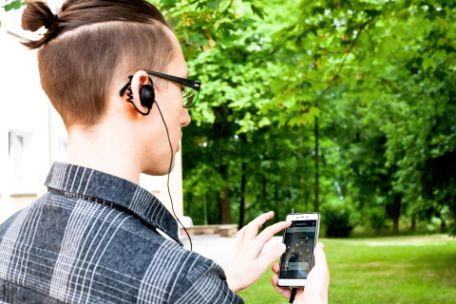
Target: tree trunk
243, 194
454, 214
225, 197
443, 226
396, 212
225, 206
413, 225
222, 132
317, 165
277, 203
264, 186
205, 210
188, 204
306, 200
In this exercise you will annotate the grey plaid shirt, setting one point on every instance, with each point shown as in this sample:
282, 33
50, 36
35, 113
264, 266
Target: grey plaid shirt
93, 239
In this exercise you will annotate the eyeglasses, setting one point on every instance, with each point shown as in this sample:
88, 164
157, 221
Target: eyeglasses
190, 93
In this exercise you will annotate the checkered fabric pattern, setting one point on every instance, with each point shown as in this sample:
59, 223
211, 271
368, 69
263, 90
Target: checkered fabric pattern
93, 238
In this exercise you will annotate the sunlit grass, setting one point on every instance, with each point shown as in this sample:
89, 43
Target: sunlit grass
382, 270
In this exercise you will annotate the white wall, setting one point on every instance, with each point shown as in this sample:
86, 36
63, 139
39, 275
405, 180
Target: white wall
23, 108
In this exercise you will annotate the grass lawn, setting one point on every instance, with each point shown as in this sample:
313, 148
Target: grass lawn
412, 269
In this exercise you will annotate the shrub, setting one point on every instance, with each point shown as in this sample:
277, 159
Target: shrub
377, 217
337, 219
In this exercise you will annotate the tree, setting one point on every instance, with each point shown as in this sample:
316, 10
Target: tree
350, 103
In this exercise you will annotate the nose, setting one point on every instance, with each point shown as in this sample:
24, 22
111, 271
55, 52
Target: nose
185, 118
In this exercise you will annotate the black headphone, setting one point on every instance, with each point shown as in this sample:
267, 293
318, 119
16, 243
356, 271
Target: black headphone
146, 96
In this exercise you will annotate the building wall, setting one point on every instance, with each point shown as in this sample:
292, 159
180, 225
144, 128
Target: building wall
32, 135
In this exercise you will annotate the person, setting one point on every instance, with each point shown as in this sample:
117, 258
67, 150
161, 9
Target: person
116, 74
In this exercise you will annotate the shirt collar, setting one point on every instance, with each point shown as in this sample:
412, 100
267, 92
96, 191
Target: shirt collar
90, 183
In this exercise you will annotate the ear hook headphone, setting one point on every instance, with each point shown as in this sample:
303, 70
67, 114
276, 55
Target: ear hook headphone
147, 98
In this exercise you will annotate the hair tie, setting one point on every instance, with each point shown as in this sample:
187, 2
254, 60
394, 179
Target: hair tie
51, 21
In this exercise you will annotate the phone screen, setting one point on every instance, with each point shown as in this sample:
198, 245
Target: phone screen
297, 261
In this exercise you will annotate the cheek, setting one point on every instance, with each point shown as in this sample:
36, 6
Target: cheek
176, 107
171, 107
172, 100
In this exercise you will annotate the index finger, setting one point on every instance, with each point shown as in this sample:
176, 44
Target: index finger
269, 232
251, 230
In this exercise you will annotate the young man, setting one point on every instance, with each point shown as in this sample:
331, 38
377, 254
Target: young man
115, 72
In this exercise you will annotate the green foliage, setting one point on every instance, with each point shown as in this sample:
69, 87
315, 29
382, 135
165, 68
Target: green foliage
375, 79
377, 218
337, 219
371, 82
15, 4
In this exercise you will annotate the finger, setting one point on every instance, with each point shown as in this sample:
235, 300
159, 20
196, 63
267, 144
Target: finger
265, 236
318, 278
275, 268
271, 255
251, 230
283, 291
268, 233
240, 236
320, 256
240, 232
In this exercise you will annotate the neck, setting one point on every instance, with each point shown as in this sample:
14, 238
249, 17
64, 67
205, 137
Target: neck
105, 148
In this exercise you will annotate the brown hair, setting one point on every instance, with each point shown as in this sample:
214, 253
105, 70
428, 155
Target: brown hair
88, 44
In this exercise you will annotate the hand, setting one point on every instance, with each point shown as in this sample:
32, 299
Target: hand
317, 284
248, 265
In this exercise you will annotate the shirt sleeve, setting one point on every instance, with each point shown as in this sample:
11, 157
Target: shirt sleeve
207, 284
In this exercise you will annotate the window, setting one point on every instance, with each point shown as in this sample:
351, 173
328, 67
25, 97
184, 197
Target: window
21, 161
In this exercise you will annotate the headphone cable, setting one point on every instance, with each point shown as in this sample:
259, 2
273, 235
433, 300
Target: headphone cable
169, 172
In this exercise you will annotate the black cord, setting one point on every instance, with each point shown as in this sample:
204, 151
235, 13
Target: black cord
169, 172
292, 295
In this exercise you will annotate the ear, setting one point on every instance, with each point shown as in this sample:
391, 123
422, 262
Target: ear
140, 78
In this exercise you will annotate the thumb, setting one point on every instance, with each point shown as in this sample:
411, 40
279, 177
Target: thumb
272, 255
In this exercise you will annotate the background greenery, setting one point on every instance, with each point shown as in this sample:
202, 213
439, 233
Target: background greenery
342, 107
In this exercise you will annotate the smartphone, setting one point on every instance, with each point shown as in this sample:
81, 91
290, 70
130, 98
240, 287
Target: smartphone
300, 240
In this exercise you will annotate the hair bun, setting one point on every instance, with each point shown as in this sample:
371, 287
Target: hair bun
36, 15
